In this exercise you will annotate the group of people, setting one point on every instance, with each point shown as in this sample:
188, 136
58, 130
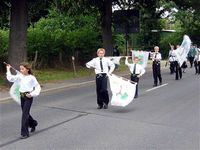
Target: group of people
192, 57
29, 86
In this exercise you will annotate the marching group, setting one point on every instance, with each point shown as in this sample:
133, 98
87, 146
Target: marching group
193, 58
29, 86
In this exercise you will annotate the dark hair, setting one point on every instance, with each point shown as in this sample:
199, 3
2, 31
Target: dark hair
27, 66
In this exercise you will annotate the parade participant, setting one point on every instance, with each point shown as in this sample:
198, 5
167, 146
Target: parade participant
197, 62
178, 70
136, 72
29, 88
171, 59
184, 65
191, 54
102, 66
156, 58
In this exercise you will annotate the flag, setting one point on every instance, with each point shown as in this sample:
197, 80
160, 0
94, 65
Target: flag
123, 91
182, 51
115, 60
14, 92
143, 57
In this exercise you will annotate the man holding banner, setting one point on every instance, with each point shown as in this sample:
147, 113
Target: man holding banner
136, 72
102, 66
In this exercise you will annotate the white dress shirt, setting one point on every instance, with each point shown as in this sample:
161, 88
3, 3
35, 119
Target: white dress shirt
156, 56
171, 56
139, 69
27, 83
108, 65
174, 55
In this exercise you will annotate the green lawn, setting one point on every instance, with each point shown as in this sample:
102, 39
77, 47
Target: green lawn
53, 75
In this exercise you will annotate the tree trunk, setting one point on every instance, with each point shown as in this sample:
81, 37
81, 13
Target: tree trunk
17, 50
106, 16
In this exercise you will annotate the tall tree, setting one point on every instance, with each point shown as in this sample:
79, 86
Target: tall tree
17, 51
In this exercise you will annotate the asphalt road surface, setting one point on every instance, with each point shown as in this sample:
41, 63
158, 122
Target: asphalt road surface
162, 118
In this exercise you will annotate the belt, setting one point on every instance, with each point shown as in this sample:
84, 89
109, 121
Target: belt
134, 75
157, 62
101, 75
23, 94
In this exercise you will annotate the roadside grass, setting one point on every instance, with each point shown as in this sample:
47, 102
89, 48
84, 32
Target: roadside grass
55, 75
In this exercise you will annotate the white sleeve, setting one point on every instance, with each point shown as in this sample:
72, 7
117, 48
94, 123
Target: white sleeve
91, 64
142, 71
127, 63
111, 65
37, 88
10, 77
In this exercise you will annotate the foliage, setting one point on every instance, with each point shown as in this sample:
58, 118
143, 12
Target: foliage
4, 42
58, 34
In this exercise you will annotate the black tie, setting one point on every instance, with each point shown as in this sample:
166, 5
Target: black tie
101, 65
134, 70
156, 55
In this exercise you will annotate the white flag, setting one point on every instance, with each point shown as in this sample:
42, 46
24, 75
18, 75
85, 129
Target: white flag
115, 60
123, 91
143, 57
14, 92
182, 51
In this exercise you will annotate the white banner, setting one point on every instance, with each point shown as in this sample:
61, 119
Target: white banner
14, 93
143, 57
182, 51
115, 59
123, 91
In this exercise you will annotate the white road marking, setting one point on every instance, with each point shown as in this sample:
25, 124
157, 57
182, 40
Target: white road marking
156, 87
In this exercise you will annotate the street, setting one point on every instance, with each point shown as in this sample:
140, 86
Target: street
163, 118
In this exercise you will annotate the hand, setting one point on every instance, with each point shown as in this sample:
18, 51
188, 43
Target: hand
109, 74
28, 95
8, 66
138, 76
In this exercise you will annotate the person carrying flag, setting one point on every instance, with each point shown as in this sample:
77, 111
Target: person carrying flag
102, 66
136, 72
28, 88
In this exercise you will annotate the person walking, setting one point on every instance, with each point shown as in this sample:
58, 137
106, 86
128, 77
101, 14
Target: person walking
102, 67
136, 72
29, 88
156, 58
171, 59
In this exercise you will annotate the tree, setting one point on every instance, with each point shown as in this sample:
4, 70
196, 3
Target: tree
17, 51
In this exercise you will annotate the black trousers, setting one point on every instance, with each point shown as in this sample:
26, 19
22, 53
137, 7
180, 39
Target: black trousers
27, 119
156, 72
191, 60
178, 71
101, 89
172, 67
134, 78
197, 67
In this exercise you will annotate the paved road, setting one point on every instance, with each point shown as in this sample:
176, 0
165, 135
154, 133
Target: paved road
165, 118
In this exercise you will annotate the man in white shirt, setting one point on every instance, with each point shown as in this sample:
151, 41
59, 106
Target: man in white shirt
102, 66
156, 58
136, 72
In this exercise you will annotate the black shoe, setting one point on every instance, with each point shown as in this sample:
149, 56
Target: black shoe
33, 129
105, 106
160, 83
136, 97
155, 85
24, 136
99, 107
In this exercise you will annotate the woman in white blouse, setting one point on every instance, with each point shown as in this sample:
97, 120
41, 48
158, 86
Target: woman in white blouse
29, 88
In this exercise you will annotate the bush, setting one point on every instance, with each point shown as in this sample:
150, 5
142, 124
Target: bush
59, 37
